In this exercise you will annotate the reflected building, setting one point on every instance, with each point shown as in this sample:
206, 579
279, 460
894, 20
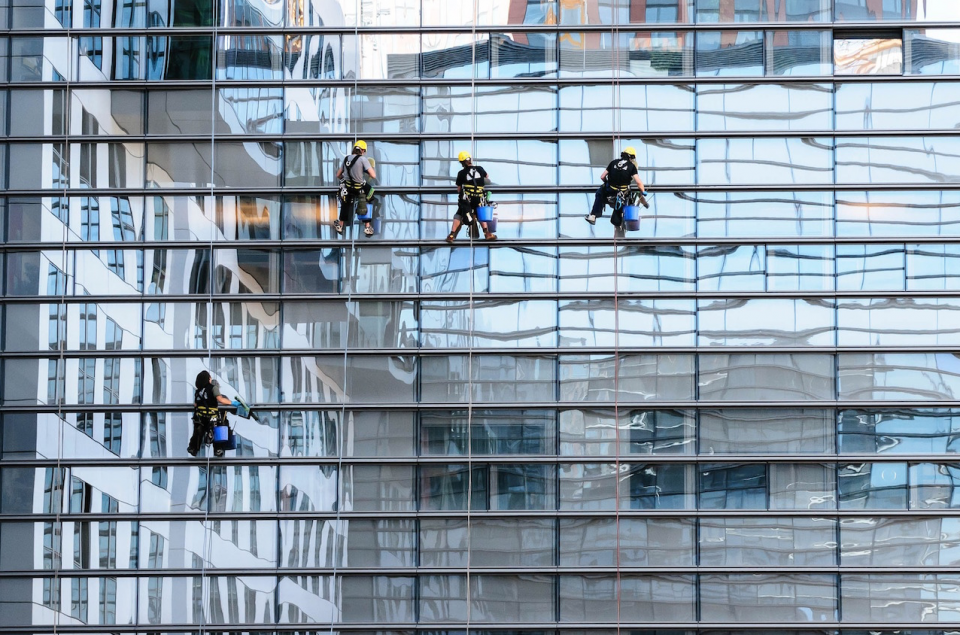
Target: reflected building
743, 416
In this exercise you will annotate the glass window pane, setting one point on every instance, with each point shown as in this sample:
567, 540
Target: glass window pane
180, 57
512, 542
867, 56
932, 51
932, 267
913, 106
590, 378
894, 598
377, 488
660, 161
652, 486
872, 485
802, 486
859, 11
496, 432
784, 598
871, 267
901, 431
529, 323
805, 53
896, 322
761, 161
767, 431
916, 213
899, 542
750, 107
934, 485
512, 598
763, 322
898, 160
760, 11
523, 55
768, 542
641, 323
729, 53
896, 376
766, 377
765, 214
504, 378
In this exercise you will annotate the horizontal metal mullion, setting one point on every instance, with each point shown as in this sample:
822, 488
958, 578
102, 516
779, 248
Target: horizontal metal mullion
511, 81
483, 459
755, 514
516, 243
526, 405
572, 351
602, 628
629, 27
212, 572
320, 298
448, 189
539, 136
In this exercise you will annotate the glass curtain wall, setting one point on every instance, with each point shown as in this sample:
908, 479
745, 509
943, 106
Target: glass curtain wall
696, 426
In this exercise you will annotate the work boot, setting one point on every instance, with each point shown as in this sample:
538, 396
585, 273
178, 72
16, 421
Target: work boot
590, 218
368, 231
338, 226
489, 235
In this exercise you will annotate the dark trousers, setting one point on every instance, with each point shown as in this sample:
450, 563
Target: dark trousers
600, 200
347, 204
202, 426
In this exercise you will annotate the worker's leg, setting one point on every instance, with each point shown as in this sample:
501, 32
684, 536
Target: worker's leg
196, 439
458, 220
600, 200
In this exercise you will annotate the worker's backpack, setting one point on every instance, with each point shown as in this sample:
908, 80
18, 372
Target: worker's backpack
619, 173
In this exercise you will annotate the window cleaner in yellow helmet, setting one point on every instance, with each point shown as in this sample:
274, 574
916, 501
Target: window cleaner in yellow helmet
352, 184
470, 195
616, 187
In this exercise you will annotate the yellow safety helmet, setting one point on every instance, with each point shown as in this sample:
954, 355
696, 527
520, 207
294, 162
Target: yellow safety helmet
630, 150
463, 156
361, 144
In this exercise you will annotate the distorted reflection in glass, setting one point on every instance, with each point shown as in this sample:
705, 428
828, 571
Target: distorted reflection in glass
872, 485
41, 59
932, 51
179, 57
762, 11
867, 56
454, 55
766, 322
729, 53
766, 431
806, 53
898, 376
772, 598
899, 431
768, 541
767, 376
897, 106
735, 107
756, 161
932, 267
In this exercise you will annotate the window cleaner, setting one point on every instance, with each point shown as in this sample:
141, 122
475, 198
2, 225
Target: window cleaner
616, 188
206, 414
352, 184
470, 196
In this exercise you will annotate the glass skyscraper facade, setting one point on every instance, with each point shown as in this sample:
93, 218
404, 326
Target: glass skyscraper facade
744, 416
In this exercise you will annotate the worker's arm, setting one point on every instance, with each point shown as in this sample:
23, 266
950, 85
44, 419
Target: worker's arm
372, 172
636, 177
603, 177
340, 172
223, 401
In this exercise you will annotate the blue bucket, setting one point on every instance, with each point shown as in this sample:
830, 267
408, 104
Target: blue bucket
631, 212
631, 225
485, 213
368, 215
231, 443
221, 433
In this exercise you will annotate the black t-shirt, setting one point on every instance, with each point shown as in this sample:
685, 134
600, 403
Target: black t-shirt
620, 172
207, 395
472, 175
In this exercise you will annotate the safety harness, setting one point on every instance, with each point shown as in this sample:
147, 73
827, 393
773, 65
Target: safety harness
472, 188
356, 186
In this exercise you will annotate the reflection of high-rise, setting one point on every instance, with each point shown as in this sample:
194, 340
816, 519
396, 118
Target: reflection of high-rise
744, 413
